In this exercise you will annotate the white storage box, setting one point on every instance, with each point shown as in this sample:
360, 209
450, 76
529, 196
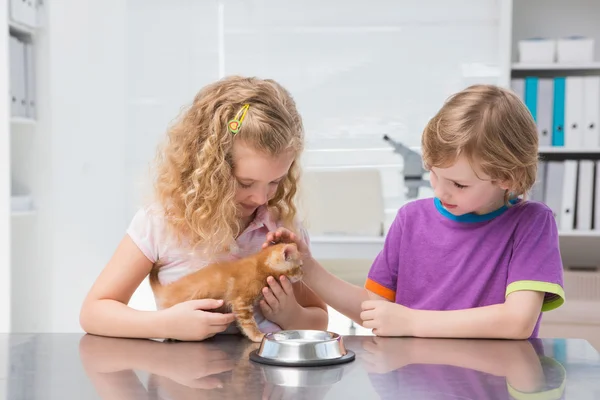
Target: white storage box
537, 51
575, 49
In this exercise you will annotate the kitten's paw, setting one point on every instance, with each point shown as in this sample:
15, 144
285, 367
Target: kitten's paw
256, 337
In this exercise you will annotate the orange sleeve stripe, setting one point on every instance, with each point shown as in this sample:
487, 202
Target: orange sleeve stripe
380, 290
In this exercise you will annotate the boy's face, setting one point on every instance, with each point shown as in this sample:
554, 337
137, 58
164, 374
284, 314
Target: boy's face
258, 176
463, 191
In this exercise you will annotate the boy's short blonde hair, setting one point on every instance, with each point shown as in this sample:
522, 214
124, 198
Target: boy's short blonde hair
493, 129
195, 184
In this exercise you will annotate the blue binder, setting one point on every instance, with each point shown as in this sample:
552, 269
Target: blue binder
558, 112
531, 92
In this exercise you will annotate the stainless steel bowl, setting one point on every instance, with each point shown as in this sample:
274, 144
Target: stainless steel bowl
303, 377
302, 348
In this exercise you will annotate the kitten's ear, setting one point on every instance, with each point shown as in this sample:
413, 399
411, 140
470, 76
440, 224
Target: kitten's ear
288, 249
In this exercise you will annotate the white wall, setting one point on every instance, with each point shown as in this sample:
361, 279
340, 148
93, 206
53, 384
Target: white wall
88, 130
118, 72
171, 52
362, 69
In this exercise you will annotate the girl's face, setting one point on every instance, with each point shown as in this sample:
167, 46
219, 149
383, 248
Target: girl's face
461, 190
258, 175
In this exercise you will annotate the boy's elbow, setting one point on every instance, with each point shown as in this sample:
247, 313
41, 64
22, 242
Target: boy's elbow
520, 314
520, 327
520, 334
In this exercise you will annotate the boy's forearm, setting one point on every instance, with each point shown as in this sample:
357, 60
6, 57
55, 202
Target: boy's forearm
112, 318
493, 322
343, 296
495, 357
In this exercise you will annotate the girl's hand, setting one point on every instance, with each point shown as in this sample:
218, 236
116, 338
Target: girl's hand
386, 318
188, 321
196, 365
283, 235
279, 304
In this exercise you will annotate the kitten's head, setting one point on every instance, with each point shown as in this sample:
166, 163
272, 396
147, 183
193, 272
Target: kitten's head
284, 258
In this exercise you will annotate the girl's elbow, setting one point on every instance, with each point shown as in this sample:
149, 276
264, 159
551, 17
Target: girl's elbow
316, 318
84, 324
323, 320
84, 320
86, 317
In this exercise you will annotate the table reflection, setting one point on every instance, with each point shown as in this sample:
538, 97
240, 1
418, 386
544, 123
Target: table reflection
216, 368
461, 369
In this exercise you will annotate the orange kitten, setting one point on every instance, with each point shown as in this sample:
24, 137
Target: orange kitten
239, 283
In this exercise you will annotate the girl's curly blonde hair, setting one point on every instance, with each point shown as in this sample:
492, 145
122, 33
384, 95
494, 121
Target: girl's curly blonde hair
195, 184
493, 129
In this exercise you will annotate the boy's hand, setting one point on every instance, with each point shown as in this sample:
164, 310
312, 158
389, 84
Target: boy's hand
386, 318
383, 355
279, 304
283, 235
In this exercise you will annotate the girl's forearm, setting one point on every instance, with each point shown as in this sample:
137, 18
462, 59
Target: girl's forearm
308, 318
111, 354
343, 296
122, 385
112, 318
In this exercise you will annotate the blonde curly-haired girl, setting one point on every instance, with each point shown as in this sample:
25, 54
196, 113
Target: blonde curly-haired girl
226, 175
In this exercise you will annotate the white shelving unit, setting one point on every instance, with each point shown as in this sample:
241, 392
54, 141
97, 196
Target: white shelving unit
21, 121
594, 66
580, 250
567, 151
67, 159
580, 233
20, 27
22, 129
18, 164
5, 218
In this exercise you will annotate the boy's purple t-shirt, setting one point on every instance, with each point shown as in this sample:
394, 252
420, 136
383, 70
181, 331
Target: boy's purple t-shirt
433, 260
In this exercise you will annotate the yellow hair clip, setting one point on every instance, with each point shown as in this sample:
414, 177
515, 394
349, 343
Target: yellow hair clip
236, 123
